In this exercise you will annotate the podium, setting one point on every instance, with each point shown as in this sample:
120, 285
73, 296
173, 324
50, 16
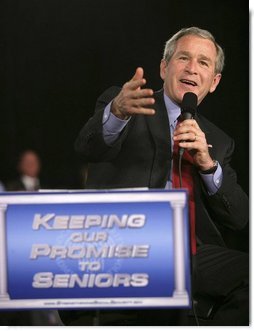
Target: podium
94, 249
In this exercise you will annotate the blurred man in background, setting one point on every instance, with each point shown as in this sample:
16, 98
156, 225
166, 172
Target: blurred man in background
28, 167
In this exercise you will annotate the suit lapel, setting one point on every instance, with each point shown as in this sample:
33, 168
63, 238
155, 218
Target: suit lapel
160, 132
209, 135
159, 124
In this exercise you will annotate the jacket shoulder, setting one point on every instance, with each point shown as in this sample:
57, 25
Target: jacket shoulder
107, 95
208, 127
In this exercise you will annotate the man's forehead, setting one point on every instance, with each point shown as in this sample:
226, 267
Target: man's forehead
204, 47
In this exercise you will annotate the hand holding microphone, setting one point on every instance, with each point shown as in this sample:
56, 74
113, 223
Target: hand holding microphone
188, 110
190, 136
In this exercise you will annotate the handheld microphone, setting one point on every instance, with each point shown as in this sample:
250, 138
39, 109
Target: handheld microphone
188, 109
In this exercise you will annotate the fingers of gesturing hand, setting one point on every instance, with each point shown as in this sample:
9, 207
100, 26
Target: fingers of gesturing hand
127, 104
137, 81
134, 84
137, 98
139, 73
138, 106
132, 99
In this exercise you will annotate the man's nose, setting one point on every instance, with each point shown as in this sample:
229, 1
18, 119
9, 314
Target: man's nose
191, 67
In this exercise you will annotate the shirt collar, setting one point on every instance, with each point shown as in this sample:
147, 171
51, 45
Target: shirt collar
173, 110
30, 183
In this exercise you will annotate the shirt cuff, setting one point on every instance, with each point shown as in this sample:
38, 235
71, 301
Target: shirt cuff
213, 181
112, 126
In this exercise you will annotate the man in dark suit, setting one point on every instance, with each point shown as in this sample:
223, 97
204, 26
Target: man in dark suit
129, 143
28, 167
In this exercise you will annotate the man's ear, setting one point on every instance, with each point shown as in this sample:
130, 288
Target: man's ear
215, 83
163, 67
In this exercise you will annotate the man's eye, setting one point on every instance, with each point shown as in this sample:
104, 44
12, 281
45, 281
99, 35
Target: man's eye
204, 63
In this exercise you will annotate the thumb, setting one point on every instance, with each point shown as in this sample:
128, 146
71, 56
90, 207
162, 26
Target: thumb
138, 74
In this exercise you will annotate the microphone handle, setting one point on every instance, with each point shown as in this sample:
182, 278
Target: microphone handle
185, 116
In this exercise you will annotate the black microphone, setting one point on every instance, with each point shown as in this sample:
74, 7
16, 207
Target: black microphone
188, 109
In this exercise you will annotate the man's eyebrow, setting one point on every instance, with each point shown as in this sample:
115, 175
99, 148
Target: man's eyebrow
183, 53
206, 58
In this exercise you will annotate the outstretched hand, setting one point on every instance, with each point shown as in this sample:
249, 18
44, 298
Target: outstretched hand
132, 99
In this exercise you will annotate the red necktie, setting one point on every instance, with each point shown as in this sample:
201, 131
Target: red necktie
187, 182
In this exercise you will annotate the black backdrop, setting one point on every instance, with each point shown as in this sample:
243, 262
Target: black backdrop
57, 56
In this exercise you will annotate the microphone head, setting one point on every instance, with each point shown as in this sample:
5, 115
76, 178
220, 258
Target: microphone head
189, 104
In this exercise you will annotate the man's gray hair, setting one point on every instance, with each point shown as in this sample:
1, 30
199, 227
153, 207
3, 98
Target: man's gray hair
170, 46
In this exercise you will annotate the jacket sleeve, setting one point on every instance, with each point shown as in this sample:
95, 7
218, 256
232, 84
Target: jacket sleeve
229, 207
90, 144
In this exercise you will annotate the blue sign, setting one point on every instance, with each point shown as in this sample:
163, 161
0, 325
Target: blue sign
94, 249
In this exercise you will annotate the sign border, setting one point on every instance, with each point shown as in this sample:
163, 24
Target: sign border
176, 198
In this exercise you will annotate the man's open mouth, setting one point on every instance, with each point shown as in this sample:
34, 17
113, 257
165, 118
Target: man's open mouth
188, 82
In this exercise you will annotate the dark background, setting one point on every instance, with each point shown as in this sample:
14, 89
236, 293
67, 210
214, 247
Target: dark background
57, 57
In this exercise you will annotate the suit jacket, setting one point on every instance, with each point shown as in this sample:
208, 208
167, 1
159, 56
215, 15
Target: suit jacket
18, 185
141, 157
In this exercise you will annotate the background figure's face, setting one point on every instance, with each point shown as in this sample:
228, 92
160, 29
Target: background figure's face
29, 164
190, 69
